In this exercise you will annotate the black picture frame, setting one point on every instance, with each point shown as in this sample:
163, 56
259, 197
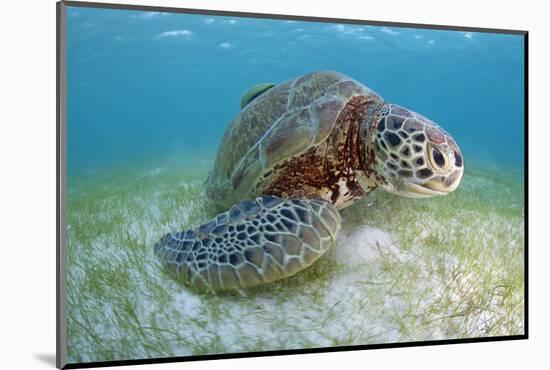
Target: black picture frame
61, 185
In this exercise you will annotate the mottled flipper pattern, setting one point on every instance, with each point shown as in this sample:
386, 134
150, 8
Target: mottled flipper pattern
253, 243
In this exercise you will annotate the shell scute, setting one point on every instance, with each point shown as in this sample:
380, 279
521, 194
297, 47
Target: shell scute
292, 135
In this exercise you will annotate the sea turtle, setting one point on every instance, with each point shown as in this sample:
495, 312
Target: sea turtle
297, 153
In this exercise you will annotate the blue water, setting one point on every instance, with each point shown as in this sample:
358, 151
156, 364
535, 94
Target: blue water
145, 85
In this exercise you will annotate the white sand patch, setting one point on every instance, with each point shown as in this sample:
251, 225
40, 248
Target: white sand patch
364, 244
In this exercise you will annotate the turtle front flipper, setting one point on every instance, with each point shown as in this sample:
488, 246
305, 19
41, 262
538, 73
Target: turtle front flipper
253, 243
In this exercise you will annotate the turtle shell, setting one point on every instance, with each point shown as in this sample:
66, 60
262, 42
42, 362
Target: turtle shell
283, 122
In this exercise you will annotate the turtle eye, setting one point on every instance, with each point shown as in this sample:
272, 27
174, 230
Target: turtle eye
438, 159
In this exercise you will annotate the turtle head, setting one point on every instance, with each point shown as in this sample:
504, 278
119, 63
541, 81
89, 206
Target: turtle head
414, 157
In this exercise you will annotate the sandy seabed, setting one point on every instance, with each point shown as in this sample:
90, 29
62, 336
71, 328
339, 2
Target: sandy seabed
402, 270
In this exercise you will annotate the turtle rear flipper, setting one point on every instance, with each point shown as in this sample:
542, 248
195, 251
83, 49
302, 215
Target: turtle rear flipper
253, 243
254, 92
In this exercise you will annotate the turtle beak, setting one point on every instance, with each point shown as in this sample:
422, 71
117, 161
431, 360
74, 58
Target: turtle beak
412, 190
434, 187
448, 184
